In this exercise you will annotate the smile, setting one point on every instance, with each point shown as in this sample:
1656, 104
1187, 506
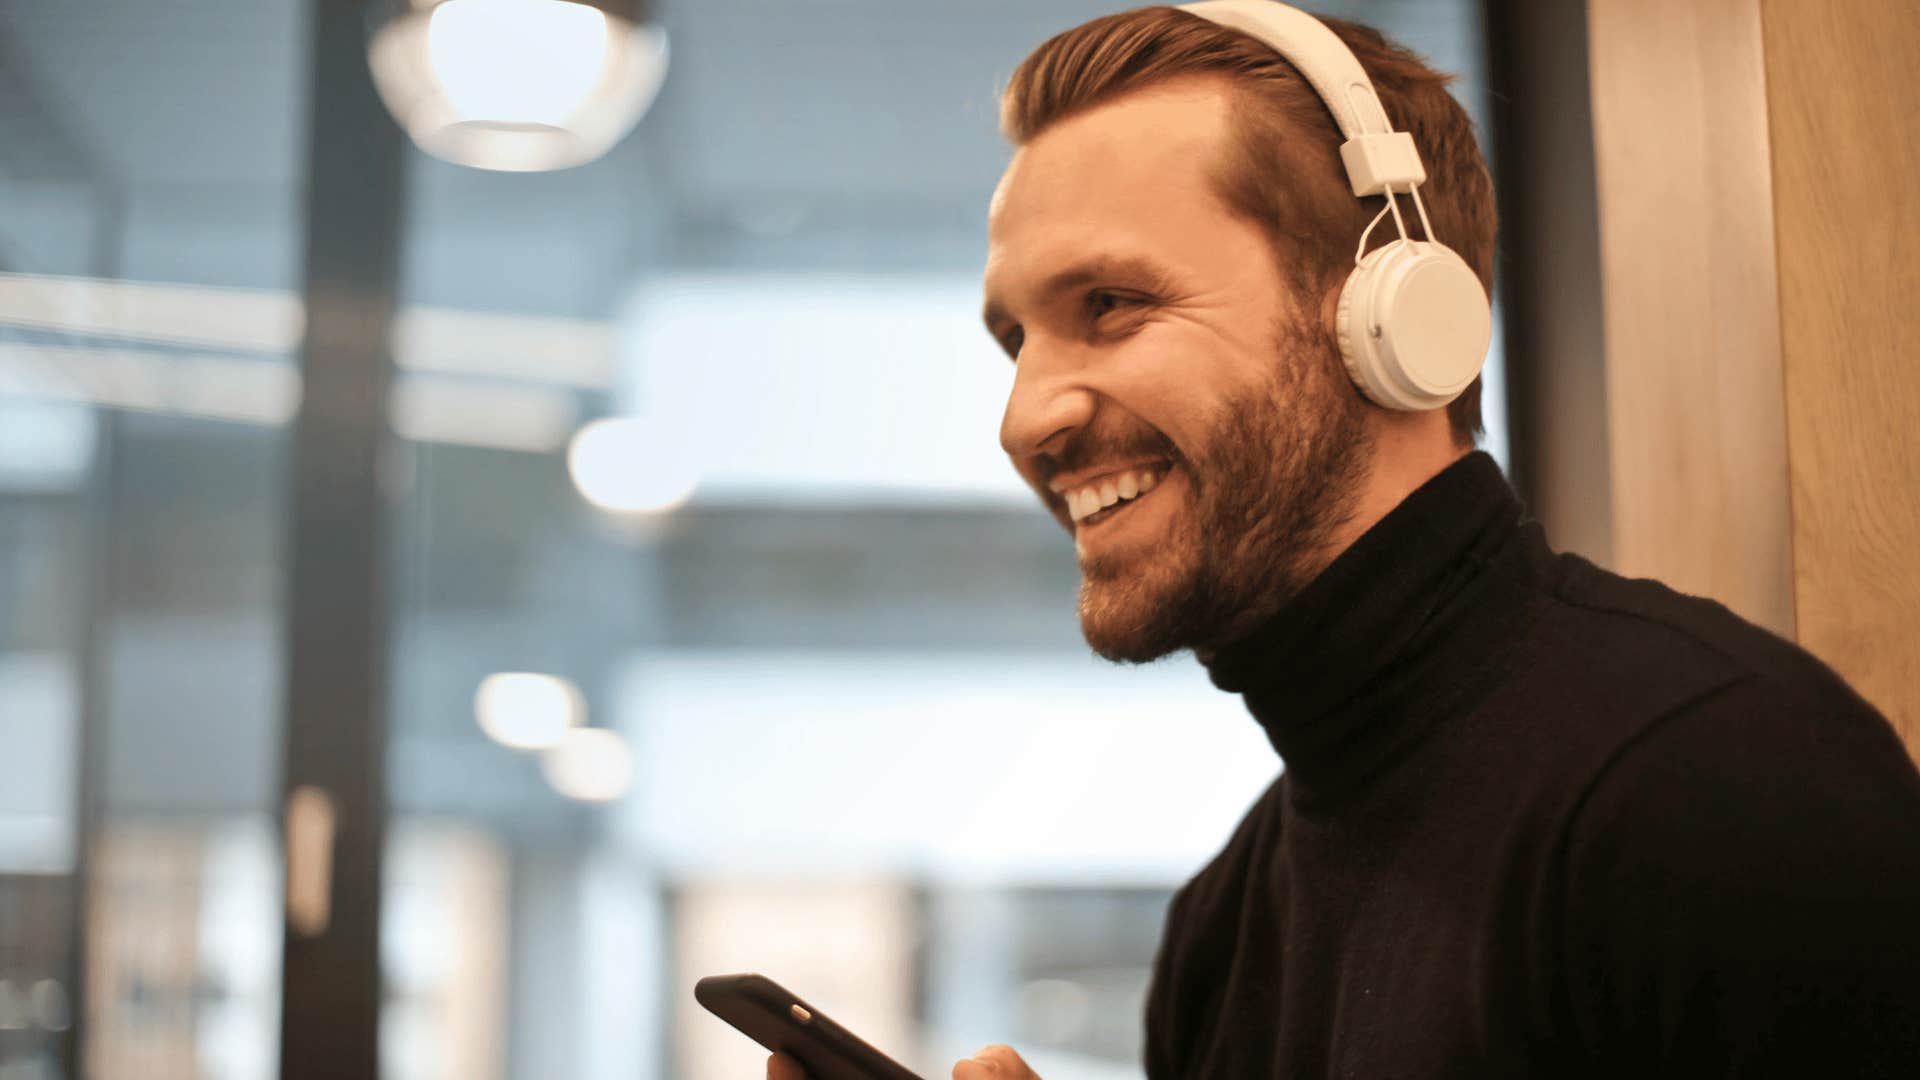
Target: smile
1098, 499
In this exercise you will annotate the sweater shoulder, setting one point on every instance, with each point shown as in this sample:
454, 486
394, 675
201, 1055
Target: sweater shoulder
1729, 840
1767, 850
1198, 940
1604, 661
1643, 648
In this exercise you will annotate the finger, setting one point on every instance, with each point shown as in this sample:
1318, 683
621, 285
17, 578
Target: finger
993, 1063
782, 1067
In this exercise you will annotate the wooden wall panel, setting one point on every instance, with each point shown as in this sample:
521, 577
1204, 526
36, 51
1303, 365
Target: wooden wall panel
1696, 429
1843, 86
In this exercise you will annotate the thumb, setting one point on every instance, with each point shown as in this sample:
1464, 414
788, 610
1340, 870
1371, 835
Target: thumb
993, 1063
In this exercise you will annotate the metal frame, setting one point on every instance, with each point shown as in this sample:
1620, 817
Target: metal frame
1543, 165
337, 617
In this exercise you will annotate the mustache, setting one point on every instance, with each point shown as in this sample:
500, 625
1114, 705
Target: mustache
1092, 448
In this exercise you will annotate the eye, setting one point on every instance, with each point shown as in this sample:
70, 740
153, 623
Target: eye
1103, 302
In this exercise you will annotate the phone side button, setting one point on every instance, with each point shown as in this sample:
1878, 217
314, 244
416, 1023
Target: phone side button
801, 1014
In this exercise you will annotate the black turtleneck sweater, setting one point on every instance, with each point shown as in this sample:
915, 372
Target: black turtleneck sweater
1540, 820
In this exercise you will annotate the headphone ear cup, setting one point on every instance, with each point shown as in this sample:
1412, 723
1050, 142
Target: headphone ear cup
1414, 325
1351, 323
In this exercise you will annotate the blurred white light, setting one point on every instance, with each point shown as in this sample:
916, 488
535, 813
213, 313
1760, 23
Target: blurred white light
210, 386
527, 710
516, 85
631, 464
263, 320
517, 61
590, 764
479, 412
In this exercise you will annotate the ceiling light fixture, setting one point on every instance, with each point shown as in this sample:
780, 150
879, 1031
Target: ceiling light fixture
629, 464
517, 85
589, 764
528, 710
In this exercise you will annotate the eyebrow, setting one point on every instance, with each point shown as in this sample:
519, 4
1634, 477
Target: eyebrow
1147, 273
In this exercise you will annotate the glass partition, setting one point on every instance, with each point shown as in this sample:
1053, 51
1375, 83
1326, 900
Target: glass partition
149, 245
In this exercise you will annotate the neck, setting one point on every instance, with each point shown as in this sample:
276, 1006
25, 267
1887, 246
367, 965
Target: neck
1409, 449
1348, 667
1405, 455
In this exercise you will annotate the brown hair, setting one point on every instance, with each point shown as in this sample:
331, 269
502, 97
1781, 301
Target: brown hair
1300, 198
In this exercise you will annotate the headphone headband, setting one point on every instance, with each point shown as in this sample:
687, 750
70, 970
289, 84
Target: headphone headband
1376, 156
1413, 319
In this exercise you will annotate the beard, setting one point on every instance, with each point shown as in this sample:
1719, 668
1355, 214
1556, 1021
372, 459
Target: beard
1275, 478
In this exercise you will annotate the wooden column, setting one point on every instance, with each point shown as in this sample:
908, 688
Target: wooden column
1843, 88
1696, 433
1758, 256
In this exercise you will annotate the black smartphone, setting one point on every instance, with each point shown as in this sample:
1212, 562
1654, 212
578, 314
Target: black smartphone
774, 1017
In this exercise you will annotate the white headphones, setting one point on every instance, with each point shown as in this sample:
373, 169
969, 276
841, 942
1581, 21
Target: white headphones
1414, 319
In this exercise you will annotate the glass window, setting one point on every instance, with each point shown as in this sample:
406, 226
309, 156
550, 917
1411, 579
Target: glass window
149, 242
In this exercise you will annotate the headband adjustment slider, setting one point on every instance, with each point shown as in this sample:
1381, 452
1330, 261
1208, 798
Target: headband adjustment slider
1376, 163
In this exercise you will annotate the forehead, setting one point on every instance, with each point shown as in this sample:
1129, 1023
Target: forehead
1132, 174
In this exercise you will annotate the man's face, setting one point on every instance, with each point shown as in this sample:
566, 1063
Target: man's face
1158, 351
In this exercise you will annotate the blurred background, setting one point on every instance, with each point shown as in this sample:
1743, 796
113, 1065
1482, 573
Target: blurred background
471, 577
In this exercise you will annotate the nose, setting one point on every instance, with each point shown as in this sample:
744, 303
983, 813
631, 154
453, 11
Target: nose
1045, 408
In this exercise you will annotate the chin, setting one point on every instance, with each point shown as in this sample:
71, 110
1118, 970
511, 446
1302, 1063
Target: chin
1134, 614
1130, 622
1125, 645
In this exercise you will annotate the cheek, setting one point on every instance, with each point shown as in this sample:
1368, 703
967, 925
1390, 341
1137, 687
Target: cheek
1181, 380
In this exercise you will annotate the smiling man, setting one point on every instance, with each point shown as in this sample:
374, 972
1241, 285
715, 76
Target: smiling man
1146, 321
1534, 818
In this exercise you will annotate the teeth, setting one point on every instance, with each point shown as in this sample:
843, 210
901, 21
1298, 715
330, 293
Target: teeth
1085, 502
1082, 504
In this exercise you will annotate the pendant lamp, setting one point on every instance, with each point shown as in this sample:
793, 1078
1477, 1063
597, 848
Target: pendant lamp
516, 85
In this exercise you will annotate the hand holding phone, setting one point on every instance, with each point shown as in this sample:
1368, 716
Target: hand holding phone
991, 1063
783, 1067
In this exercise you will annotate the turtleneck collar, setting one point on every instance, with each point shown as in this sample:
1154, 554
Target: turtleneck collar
1391, 634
